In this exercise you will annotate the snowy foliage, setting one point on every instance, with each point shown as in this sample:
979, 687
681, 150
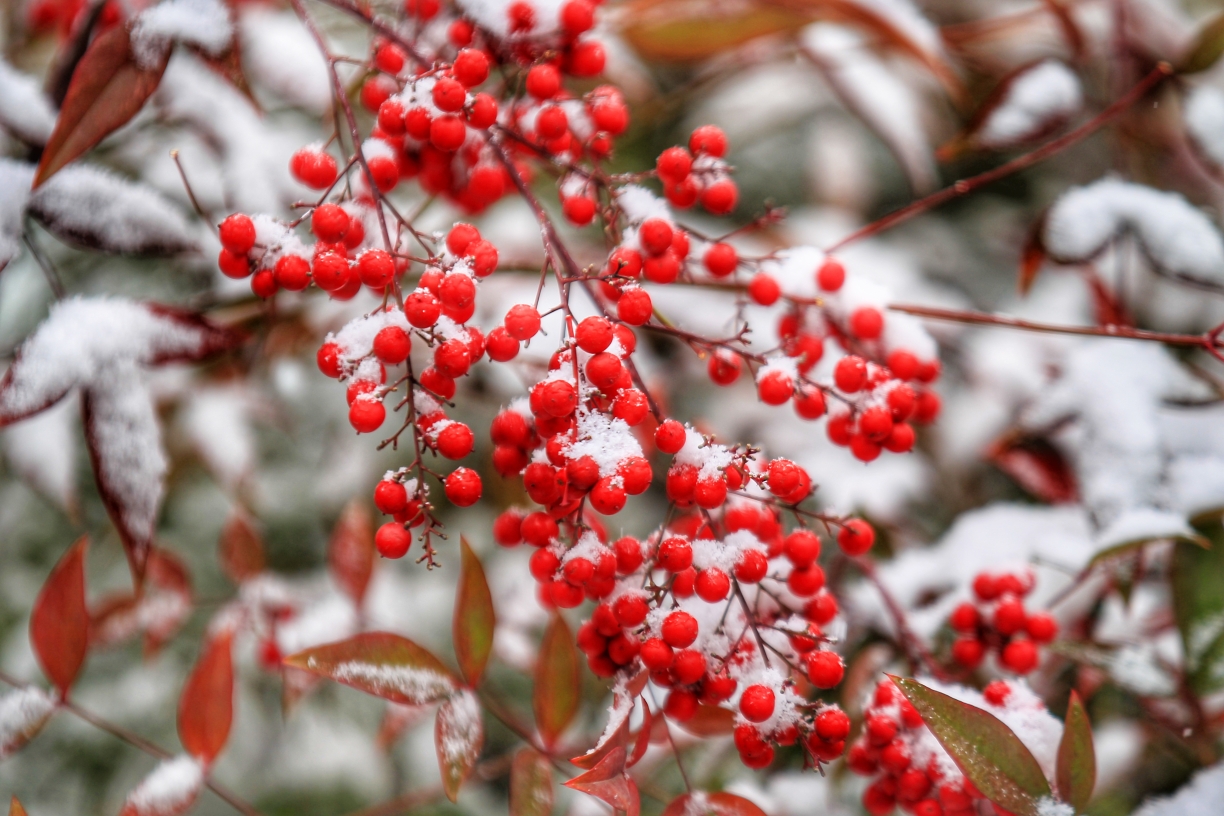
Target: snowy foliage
1037, 99
25, 110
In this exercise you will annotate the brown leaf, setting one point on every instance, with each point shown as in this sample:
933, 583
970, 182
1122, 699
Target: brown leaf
350, 554
474, 620
107, 89
531, 785
59, 622
712, 804
555, 698
1036, 465
382, 664
458, 737
240, 548
206, 707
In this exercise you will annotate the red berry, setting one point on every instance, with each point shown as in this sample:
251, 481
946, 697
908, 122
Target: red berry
314, 168
463, 487
447, 133
850, 374
720, 197
675, 554
783, 476
392, 540
539, 529
986, 586
292, 272
552, 123
328, 360
238, 234
825, 670
674, 164
233, 265
655, 235
543, 81
679, 629
866, 323
832, 724
968, 651
680, 705
1042, 627
775, 387
367, 415
455, 441
376, 268
1019, 656
806, 581
764, 289
965, 618
587, 59
579, 210
594, 334
1009, 617
422, 309
634, 307
391, 345
996, 692
721, 259
856, 537
656, 654
757, 703
577, 16
670, 436
607, 497
810, 403
628, 552
710, 140
751, 567
471, 67
500, 345
390, 497
830, 276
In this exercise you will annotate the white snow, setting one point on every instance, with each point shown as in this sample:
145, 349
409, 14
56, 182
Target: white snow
607, 440
1175, 235
417, 686
280, 55
169, 790
1143, 524
1203, 110
460, 728
43, 449
218, 423
1037, 98
25, 111
15, 180
205, 24
1201, 796
22, 713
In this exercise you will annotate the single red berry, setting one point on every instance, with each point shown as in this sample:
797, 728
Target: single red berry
655, 235
1042, 627
810, 403
783, 476
856, 537
233, 265
391, 345
724, 367
830, 276
832, 724
579, 210
670, 436
802, 547
422, 309
825, 670
751, 567
866, 323
996, 692
500, 345
463, 487
986, 586
764, 289
607, 497
586, 59
263, 284
679, 629
710, 140
376, 267
634, 307
775, 387
552, 123
850, 374
328, 360
456, 441
1009, 617
1019, 656
314, 168
449, 94
390, 497
674, 165
628, 552
680, 705
577, 16
594, 334
968, 651
539, 529
447, 133
656, 654
471, 67
392, 540
806, 581
292, 272
543, 81
720, 260
720, 197
238, 233
757, 703
965, 618
367, 415
675, 554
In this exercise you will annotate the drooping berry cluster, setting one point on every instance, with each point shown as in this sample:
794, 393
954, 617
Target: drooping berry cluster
998, 622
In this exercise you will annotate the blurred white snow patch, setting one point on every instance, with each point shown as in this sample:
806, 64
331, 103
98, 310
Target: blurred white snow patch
169, 789
98, 208
757, 101
800, 794
1036, 99
1143, 524
997, 537
512, 228
205, 24
1201, 796
22, 713
1137, 668
15, 180
324, 749
1052, 807
493, 15
869, 89
839, 167
331, 617
1175, 235
1119, 747
25, 111
282, 58
43, 449
217, 421
1203, 110
908, 18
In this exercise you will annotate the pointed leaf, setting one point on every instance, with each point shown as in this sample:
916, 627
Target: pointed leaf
990, 755
1207, 47
206, 707
382, 664
555, 698
240, 548
1032, 257
642, 741
1076, 757
170, 790
15, 808
458, 737
474, 617
608, 781
350, 554
59, 622
23, 713
531, 784
712, 804
107, 89
1036, 465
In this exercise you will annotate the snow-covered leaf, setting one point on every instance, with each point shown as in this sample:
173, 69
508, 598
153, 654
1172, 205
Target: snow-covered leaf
984, 748
97, 209
171, 789
556, 694
1029, 104
458, 737
15, 180
281, 57
1201, 796
712, 804
107, 89
1076, 773
217, 420
23, 713
1178, 238
43, 449
474, 619
25, 111
1203, 110
206, 707
350, 553
59, 622
382, 664
531, 785
203, 24
1037, 466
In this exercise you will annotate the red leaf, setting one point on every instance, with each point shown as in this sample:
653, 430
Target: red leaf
206, 707
710, 721
617, 739
458, 737
555, 698
350, 555
59, 622
1076, 770
382, 664
1037, 466
15, 808
531, 787
475, 619
642, 741
607, 781
107, 89
1032, 257
712, 804
240, 548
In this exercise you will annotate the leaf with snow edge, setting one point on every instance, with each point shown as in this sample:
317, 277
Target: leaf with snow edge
23, 713
615, 734
712, 804
44, 450
987, 751
531, 785
1142, 525
1206, 48
474, 620
350, 553
25, 111
1198, 607
1177, 237
1201, 796
93, 208
206, 706
59, 621
642, 741
458, 737
202, 24
15, 180
107, 89
171, 789
1029, 103
1076, 757
556, 694
608, 782
240, 548
382, 664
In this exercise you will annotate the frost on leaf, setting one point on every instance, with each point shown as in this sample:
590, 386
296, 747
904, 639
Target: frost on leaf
204, 24
43, 450
23, 713
458, 737
15, 178
1034, 102
25, 111
169, 790
1175, 236
1201, 796
382, 664
97, 209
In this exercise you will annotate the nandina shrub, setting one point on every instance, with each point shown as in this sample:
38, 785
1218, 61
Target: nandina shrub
462, 326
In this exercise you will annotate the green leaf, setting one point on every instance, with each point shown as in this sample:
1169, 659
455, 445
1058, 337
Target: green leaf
1076, 757
531, 785
1198, 606
382, 664
458, 737
988, 753
1207, 48
474, 617
555, 698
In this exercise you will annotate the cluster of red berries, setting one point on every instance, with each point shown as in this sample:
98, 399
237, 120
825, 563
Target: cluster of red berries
699, 173
998, 621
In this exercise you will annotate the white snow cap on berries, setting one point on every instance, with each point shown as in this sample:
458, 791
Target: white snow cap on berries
1176, 236
202, 23
709, 459
640, 204
356, 339
1038, 97
725, 554
606, 439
